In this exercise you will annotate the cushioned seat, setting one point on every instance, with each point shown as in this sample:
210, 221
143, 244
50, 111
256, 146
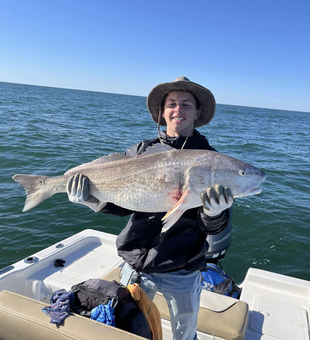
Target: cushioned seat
229, 323
22, 318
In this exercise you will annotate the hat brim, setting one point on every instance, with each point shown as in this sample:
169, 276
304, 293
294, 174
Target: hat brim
205, 97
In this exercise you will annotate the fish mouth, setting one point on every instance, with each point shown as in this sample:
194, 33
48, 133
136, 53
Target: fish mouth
254, 191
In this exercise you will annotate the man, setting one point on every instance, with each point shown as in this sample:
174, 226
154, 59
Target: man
170, 262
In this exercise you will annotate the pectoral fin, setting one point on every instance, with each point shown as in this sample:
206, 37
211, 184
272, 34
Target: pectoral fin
174, 213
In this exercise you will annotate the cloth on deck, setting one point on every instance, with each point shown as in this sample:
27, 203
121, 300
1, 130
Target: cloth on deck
104, 314
60, 306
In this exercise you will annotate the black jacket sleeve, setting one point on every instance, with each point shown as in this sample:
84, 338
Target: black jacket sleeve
212, 225
113, 209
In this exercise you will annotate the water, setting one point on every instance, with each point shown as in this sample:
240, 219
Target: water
49, 130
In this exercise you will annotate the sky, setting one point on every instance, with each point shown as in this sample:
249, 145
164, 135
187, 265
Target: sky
247, 52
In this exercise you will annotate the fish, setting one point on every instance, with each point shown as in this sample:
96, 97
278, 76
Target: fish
162, 179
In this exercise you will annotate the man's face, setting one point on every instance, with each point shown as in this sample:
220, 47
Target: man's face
180, 113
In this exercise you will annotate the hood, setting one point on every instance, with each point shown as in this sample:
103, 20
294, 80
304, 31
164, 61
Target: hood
197, 141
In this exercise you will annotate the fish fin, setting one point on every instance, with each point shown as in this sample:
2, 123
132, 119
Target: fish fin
174, 213
177, 205
100, 205
105, 159
35, 190
157, 148
171, 220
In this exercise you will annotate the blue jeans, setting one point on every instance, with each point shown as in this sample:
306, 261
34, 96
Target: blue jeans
181, 290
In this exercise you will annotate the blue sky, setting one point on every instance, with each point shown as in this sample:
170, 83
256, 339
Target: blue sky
247, 52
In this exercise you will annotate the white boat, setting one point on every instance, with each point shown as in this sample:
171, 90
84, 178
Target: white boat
271, 306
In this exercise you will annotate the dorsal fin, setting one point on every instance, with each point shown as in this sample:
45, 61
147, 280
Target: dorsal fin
157, 148
105, 159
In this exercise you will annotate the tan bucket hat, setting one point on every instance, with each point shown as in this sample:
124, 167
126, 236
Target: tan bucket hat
205, 97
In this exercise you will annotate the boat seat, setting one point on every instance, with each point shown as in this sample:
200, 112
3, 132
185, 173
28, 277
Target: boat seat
22, 318
220, 316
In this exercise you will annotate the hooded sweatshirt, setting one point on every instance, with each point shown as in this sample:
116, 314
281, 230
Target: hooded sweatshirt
143, 245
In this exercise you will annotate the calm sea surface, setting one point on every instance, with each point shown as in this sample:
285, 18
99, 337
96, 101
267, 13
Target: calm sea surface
49, 130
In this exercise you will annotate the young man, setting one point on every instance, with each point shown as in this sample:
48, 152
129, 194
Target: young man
170, 262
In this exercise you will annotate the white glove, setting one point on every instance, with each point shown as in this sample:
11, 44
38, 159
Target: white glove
78, 192
216, 199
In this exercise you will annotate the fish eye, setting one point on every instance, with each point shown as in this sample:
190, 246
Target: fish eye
241, 173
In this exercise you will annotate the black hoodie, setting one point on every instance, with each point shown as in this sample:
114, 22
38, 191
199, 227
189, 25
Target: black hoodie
142, 244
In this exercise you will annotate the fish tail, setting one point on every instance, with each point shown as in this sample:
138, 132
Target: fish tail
35, 188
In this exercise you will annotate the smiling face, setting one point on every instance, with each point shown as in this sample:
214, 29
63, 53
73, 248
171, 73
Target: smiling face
180, 113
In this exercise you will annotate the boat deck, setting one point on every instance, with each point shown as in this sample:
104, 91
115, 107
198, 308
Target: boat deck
278, 305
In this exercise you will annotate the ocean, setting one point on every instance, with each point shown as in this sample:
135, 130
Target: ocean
46, 131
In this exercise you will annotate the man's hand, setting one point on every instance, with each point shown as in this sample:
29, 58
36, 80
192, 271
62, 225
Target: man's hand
78, 192
216, 199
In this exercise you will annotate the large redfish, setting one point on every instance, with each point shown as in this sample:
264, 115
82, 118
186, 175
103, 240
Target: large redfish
157, 181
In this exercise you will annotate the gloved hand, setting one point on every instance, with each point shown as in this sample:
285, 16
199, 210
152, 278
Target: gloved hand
216, 199
78, 192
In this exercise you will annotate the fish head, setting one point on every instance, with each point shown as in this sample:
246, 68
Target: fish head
242, 178
245, 179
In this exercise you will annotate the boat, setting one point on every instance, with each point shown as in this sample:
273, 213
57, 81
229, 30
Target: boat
271, 306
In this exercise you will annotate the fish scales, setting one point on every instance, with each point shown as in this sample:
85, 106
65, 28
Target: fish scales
147, 183
159, 181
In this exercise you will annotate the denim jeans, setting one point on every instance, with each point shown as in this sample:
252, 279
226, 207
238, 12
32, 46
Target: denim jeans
181, 290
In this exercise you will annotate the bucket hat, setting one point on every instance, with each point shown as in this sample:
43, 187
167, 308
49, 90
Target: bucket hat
204, 96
